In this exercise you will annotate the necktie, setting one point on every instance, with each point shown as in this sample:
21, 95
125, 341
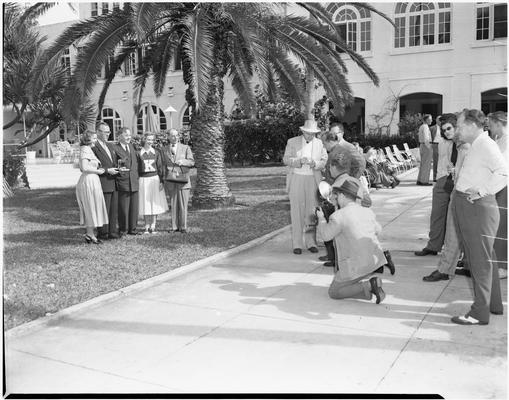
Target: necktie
454, 155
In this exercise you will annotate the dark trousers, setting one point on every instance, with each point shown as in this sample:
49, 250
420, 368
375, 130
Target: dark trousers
435, 160
111, 200
438, 218
329, 248
500, 245
476, 226
127, 211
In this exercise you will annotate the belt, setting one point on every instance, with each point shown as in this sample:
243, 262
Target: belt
434, 142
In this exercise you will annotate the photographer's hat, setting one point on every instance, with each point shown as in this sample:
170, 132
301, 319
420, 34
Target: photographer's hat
349, 187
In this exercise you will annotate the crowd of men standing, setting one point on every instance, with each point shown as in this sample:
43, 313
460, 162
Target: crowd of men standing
469, 207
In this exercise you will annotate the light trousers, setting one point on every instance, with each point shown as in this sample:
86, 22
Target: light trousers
353, 289
179, 200
303, 201
451, 250
425, 166
438, 218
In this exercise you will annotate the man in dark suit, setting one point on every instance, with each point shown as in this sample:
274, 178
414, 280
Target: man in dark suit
127, 183
105, 152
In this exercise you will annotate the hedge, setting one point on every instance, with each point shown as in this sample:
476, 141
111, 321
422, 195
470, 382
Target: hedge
258, 141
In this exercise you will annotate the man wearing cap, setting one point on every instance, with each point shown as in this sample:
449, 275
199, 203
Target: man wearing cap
354, 230
305, 156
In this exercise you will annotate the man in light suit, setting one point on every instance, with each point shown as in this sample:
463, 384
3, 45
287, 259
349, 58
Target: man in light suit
435, 140
178, 157
426, 152
105, 153
305, 156
128, 183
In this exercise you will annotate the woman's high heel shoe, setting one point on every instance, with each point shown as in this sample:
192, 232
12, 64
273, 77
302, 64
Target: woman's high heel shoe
90, 239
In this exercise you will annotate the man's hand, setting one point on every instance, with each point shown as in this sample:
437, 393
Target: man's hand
112, 171
319, 213
304, 160
473, 194
312, 164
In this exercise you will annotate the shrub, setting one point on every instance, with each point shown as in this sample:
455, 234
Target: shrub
380, 141
259, 140
410, 123
14, 168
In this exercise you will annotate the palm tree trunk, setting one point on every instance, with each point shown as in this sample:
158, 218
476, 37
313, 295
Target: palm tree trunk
310, 95
207, 133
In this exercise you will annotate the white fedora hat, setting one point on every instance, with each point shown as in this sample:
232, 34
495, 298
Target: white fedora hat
310, 126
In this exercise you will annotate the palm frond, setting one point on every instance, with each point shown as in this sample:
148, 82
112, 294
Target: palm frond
198, 44
94, 55
124, 52
36, 11
144, 18
164, 47
289, 76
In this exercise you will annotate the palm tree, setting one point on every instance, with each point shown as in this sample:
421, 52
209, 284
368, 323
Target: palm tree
217, 40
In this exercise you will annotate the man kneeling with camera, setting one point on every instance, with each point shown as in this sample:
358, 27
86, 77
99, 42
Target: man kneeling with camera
354, 230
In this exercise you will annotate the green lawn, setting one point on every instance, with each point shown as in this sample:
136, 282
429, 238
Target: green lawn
48, 266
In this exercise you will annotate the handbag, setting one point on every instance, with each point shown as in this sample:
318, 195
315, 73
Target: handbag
176, 176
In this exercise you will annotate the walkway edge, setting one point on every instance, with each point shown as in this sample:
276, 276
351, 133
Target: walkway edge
42, 322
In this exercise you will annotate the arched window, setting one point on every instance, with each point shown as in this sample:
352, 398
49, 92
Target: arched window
142, 124
354, 25
111, 117
422, 24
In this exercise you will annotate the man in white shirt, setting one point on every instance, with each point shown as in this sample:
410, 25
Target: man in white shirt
305, 156
498, 127
476, 215
425, 151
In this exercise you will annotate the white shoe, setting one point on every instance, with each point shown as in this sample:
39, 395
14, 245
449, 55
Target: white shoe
502, 273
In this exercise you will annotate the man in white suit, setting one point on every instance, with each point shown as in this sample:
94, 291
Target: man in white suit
177, 159
305, 156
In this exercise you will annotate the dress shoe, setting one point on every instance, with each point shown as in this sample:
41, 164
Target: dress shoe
389, 264
497, 312
424, 184
425, 252
134, 233
173, 230
328, 264
90, 239
376, 289
323, 258
313, 249
467, 320
436, 276
113, 236
297, 251
379, 270
183, 231
463, 272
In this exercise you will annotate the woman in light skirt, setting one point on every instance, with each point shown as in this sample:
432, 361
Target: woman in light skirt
93, 212
152, 196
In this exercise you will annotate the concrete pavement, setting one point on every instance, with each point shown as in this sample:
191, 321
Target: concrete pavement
261, 321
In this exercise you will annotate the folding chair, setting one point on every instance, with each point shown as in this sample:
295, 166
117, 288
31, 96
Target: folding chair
401, 157
399, 165
408, 152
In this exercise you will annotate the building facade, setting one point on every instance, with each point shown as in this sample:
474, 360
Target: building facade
439, 57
